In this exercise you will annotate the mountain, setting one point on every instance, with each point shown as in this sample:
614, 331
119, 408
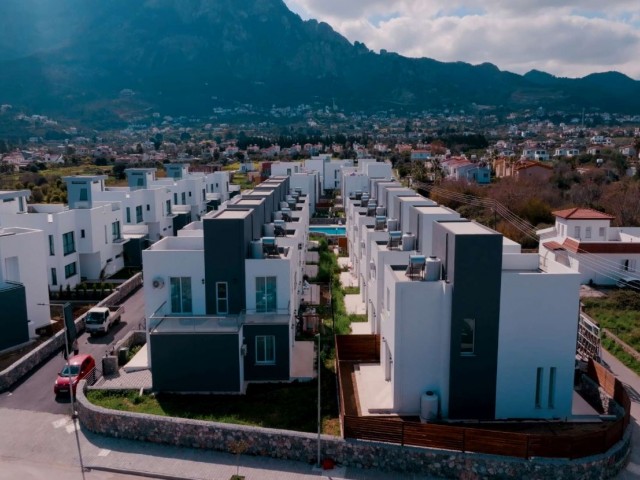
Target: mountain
75, 57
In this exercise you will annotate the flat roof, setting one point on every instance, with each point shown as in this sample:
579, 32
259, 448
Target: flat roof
233, 213
5, 194
467, 228
434, 209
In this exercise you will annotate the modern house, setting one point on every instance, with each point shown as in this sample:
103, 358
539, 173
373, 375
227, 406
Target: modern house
24, 295
222, 297
81, 240
584, 240
452, 303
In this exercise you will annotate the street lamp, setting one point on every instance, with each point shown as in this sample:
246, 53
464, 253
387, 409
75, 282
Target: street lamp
65, 309
319, 416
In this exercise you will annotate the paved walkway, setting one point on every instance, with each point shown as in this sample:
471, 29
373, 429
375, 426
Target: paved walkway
126, 380
49, 439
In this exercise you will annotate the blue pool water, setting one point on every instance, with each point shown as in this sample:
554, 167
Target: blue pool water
342, 231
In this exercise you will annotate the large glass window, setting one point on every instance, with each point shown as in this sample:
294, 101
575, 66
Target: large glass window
128, 217
70, 270
222, 297
539, 379
54, 277
266, 294
168, 207
181, 295
139, 214
265, 349
115, 231
468, 336
184, 198
68, 243
552, 387
52, 250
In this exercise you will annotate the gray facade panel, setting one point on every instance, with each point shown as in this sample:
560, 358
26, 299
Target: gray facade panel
197, 362
279, 370
13, 305
226, 246
476, 272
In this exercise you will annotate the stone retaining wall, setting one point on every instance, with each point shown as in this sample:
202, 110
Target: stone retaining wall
14, 373
284, 444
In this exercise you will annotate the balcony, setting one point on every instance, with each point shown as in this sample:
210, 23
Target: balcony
174, 323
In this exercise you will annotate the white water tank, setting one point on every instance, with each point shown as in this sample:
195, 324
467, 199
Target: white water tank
256, 249
392, 224
277, 215
381, 211
428, 406
432, 270
408, 242
268, 230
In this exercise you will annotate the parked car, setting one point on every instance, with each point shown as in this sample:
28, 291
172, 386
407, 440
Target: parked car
77, 368
629, 282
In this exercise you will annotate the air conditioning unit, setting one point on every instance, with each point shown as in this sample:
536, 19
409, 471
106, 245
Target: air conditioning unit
158, 282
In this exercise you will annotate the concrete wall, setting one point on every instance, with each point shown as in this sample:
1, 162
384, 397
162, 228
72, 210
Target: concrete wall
297, 446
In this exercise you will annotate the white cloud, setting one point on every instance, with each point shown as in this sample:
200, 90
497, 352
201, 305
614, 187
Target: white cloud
556, 36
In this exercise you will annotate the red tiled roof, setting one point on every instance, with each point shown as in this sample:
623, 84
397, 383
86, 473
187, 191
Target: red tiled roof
575, 246
531, 164
553, 246
582, 214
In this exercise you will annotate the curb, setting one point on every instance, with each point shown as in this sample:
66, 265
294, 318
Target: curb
137, 473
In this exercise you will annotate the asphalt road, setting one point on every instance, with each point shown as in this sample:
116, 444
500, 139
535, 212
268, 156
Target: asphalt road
35, 392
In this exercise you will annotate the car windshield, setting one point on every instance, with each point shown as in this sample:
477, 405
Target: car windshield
70, 371
94, 318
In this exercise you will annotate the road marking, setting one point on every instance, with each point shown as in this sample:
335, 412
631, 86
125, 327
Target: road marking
104, 452
60, 423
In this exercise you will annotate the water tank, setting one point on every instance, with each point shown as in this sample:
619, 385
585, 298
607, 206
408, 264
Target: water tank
268, 230
408, 242
277, 215
284, 205
433, 268
428, 406
381, 211
392, 224
256, 249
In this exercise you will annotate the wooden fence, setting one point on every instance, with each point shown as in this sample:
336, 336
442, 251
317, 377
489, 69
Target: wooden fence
354, 349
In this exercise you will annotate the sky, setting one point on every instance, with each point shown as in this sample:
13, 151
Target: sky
568, 39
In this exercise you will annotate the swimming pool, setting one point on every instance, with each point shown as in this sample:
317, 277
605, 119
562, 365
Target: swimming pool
329, 230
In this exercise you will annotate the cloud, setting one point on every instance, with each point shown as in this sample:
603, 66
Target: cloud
519, 35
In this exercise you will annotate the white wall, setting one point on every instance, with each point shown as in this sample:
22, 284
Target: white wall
25, 246
418, 333
538, 327
173, 257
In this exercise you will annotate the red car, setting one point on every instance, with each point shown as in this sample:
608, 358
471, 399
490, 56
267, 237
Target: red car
79, 367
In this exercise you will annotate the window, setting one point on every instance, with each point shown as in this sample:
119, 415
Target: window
82, 233
265, 349
576, 232
52, 250
175, 199
115, 231
204, 195
602, 232
128, 215
552, 387
629, 265
70, 270
222, 297
587, 232
189, 194
68, 243
140, 182
266, 294
83, 195
184, 198
388, 362
468, 336
148, 207
54, 277
168, 207
139, 214
180, 294
539, 379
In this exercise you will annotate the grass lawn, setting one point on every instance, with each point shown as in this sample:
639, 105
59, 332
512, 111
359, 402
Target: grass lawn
619, 313
286, 406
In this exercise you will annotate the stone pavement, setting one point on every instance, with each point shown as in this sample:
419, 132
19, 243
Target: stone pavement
126, 380
49, 439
